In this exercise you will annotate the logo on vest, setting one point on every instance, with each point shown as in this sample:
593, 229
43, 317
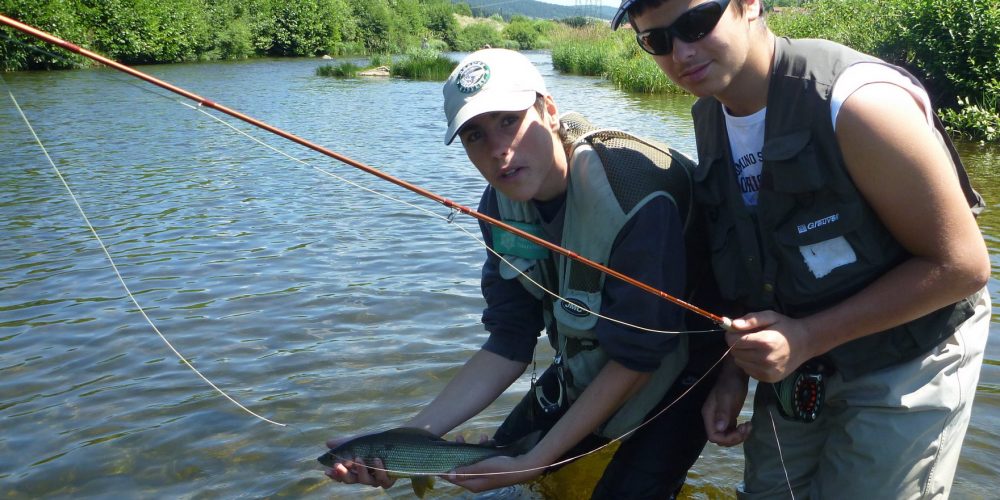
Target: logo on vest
804, 228
575, 307
472, 77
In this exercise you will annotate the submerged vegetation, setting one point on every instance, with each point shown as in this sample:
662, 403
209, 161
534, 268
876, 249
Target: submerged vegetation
424, 64
345, 69
417, 64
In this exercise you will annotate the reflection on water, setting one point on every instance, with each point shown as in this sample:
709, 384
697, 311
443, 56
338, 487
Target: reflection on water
313, 302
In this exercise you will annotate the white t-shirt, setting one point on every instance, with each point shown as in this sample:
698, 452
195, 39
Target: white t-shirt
746, 140
746, 133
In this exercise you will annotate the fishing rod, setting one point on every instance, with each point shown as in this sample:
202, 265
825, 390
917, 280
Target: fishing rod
52, 39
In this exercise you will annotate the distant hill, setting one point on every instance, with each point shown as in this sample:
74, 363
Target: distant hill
536, 9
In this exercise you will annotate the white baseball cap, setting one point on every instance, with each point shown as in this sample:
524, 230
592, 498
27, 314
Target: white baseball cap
489, 80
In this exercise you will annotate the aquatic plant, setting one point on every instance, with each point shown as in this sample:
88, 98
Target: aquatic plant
424, 64
343, 70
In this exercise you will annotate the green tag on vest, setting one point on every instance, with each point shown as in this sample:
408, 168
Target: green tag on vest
507, 243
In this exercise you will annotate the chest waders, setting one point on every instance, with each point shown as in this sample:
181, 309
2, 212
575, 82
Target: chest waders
612, 175
808, 199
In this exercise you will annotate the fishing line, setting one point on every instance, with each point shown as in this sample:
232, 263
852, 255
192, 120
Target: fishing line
449, 218
565, 460
725, 322
781, 456
281, 152
114, 266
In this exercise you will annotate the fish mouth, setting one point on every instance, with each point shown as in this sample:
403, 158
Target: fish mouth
327, 459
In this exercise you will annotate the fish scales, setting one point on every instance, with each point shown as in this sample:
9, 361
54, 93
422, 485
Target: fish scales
431, 457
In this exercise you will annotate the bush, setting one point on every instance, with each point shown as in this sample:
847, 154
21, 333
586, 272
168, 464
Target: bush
25, 52
149, 31
298, 27
952, 46
860, 24
477, 35
955, 44
442, 23
529, 34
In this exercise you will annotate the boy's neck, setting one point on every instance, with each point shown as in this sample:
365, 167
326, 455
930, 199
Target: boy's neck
747, 93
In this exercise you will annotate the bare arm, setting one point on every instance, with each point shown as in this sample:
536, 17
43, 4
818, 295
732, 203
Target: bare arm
480, 381
901, 170
609, 390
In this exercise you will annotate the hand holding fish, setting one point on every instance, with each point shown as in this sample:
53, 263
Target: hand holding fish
495, 472
357, 471
769, 346
408, 452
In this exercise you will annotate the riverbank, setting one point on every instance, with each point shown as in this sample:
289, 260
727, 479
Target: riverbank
953, 46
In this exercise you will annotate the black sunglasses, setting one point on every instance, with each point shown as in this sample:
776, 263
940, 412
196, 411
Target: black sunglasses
691, 26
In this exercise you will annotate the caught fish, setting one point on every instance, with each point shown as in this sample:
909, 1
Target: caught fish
420, 455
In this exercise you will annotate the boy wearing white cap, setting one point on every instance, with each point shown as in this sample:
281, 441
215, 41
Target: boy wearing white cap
610, 197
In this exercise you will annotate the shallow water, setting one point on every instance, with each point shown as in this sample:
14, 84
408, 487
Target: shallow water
315, 303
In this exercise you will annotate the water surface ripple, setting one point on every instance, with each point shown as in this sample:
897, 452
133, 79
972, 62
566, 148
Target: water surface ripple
313, 302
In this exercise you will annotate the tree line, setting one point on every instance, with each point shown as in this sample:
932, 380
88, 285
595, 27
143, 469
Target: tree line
168, 31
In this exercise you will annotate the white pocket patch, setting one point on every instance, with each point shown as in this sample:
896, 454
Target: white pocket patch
828, 255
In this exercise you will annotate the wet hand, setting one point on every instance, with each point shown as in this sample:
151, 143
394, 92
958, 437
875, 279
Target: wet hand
769, 346
497, 473
722, 407
356, 471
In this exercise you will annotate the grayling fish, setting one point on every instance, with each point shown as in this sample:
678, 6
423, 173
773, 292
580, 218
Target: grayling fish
420, 455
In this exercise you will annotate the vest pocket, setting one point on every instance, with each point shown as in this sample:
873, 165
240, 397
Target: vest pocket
820, 250
728, 261
791, 160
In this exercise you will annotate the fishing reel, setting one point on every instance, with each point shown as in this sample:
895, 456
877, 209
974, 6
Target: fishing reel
801, 394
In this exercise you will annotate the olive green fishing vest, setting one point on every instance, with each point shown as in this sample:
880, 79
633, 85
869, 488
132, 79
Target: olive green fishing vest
613, 174
807, 197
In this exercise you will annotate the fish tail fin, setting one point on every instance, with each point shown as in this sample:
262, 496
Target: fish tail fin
421, 484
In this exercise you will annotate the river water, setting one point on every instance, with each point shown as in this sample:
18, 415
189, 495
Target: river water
311, 301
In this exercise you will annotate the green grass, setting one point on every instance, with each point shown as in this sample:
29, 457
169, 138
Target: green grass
342, 70
424, 64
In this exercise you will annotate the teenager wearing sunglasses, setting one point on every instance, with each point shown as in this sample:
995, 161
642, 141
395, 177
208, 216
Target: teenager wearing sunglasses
842, 224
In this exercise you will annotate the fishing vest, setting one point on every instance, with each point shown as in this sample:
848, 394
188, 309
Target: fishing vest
806, 198
612, 176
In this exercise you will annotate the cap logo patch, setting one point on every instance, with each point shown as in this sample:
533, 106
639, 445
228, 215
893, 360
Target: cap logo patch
472, 77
